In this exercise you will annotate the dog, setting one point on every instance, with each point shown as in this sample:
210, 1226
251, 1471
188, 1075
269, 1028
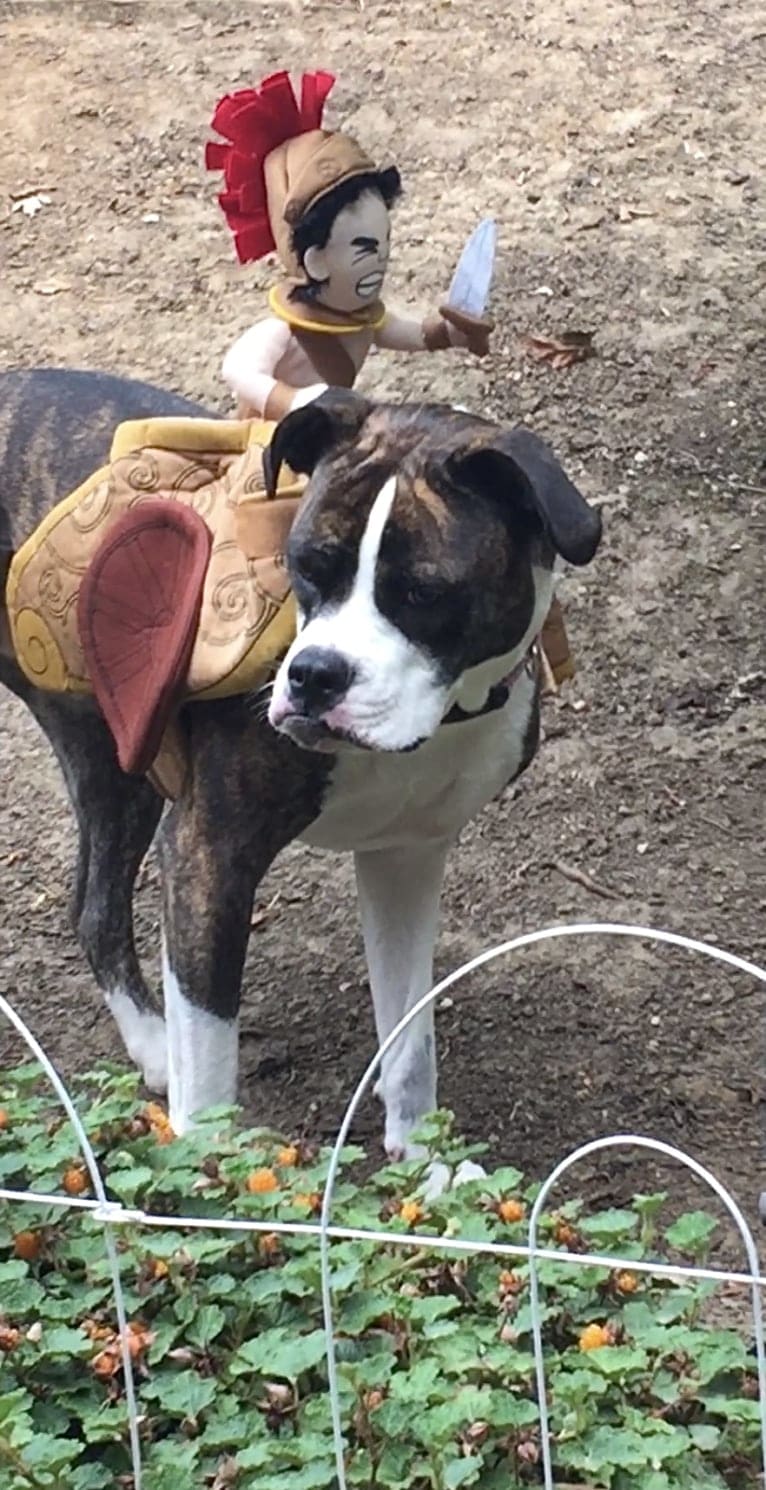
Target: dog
422, 560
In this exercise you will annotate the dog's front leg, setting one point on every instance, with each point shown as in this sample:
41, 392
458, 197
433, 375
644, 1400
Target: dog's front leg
399, 893
208, 890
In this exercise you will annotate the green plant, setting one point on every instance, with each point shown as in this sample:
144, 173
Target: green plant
434, 1349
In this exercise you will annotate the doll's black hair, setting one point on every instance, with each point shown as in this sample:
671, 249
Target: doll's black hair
315, 227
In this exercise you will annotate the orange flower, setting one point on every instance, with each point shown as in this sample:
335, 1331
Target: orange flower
159, 1122
288, 1157
268, 1244
96, 1331
510, 1283
511, 1210
564, 1234
158, 1268
5, 1121
411, 1212
28, 1245
109, 1361
9, 1338
594, 1336
75, 1180
626, 1282
261, 1181
311, 1202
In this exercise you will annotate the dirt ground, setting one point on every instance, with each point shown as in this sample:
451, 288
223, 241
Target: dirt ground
621, 147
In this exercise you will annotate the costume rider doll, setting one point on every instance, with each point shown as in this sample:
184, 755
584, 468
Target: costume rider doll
320, 202
317, 199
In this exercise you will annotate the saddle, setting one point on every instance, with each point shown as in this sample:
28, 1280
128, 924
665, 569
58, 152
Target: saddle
162, 581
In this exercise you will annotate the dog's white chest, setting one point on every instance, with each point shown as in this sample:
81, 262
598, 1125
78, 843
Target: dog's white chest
377, 801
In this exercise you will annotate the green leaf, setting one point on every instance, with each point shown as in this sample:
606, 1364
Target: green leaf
61, 1341
609, 1226
44, 1452
278, 1353
462, 1472
691, 1233
705, 1436
205, 1326
618, 1360
719, 1353
395, 1466
128, 1184
13, 1405
91, 1477
182, 1394
417, 1384
733, 1409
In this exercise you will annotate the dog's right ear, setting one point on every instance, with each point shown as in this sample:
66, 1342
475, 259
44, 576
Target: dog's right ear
304, 436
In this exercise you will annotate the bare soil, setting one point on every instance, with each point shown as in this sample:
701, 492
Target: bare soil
622, 148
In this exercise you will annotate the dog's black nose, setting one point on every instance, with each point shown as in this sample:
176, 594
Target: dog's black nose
319, 677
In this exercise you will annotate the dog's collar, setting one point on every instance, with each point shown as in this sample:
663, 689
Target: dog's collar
498, 695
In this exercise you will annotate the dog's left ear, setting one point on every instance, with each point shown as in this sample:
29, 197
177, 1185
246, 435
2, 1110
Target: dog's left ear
518, 467
303, 437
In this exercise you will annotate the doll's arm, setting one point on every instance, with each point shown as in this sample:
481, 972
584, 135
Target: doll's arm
436, 332
249, 369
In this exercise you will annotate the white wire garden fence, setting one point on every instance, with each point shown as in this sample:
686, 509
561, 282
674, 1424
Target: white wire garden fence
113, 1214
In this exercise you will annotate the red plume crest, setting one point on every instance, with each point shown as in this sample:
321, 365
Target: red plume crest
255, 121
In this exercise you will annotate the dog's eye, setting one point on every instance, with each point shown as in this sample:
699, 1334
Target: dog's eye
422, 593
315, 566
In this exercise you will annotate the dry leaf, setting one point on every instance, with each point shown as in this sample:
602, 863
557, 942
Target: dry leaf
561, 351
626, 213
227, 1475
265, 912
50, 287
30, 205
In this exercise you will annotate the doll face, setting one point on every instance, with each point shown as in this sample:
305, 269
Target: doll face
352, 265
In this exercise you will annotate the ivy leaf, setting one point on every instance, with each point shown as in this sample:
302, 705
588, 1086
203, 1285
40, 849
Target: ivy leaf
279, 1353
609, 1226
44, 1452
207, 1323
691, 1233
184, 1394
417, 1384
705, 1436
720, 1353
91, 1477
61, 1341
733, 1409
618, 1360
438, 1425
13, 1405
462, 1472
128, 1184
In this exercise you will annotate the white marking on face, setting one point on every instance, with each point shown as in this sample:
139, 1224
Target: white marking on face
143, 1035
395, 699
202, 1055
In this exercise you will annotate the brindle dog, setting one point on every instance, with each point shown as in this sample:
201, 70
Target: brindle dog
422, 561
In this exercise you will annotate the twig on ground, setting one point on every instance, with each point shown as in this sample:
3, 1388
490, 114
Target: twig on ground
579, 877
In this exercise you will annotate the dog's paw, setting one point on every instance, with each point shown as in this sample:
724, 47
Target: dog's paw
441, 1177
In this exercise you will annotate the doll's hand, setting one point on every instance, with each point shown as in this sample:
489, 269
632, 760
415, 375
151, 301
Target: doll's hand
472, 332
307, 395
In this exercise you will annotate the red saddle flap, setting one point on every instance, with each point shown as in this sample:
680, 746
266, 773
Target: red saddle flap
138, 611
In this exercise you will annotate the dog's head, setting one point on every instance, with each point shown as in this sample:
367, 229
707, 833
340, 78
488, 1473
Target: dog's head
422, 563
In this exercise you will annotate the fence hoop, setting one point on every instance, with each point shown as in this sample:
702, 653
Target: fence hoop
112, 1214
516, 944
